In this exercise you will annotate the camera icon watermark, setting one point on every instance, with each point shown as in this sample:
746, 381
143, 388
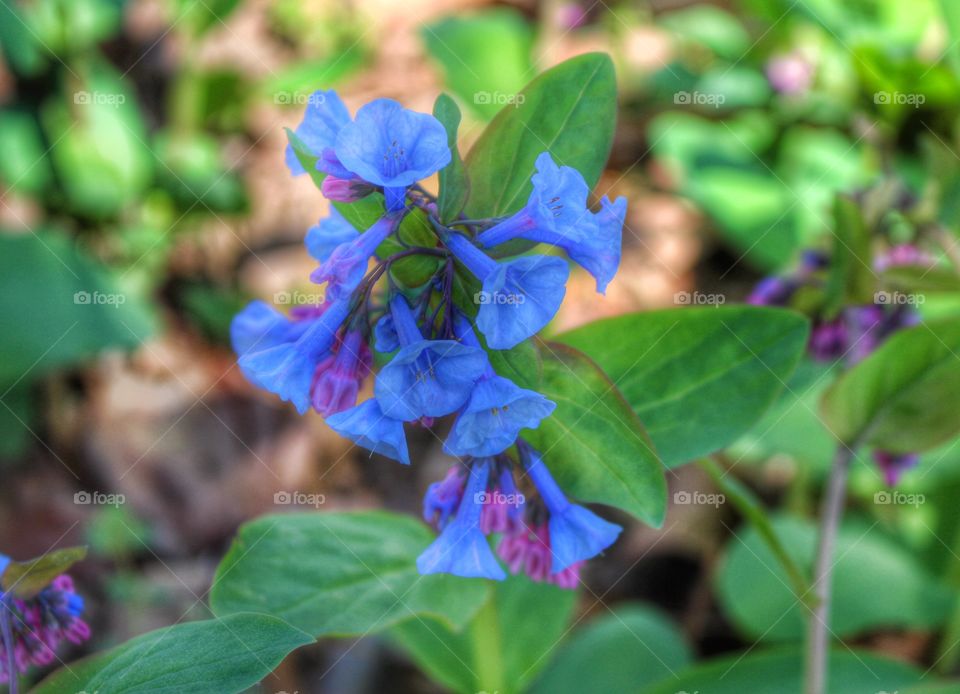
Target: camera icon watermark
83, 298
899, 98
498, 98
85, 98
898, 299
297, 498
699, 99
895, 498
699, 299
498, 298
99, 499
499, 498
699, 499
298, 298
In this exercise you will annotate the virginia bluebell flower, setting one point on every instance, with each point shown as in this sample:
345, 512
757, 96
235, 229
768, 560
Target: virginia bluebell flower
526, 549
323, 120
39, 625
443, 497
519, 296
894, 465
330, 232
260, 326
599, 251
496, 412
393, 147
288, 368
462, 548
346, 265
345, 189
504, 504
367, 426
339, 377
576, 533
426, 378
385, 335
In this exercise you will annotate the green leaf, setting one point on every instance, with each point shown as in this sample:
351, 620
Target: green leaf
221, 656
84, 310
454, 185
18, 414
23, 167
339, 573
569, 111
716, 29
517, 646
633, 647
485, 56
593, 442
25, 579
755, 591
851, 280
780, 671
698, 378
903, 397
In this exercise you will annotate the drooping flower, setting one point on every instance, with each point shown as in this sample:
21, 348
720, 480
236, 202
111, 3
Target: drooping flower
894, 465
426, 378
345, 189
392, 147
331, 232
385, 335
503, 504
443, 497
260, 326
346, 265
576, 533
599, 251
519, 296
527, 550
323, 120
462, 548
287, 368
368, 427
339, 378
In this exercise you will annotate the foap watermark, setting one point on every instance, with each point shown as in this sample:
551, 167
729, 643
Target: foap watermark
99, 499
298, 298
699, 299
899, 98
85, 98
898, 299
299, 499
699, 499
499, 298
497, 497
285, 98
699, 99
895, 498
498, 98
82, 298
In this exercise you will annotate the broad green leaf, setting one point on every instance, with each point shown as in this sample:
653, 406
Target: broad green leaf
569, 111
851, 280
194, 172
25, 579
222, 656
716, 29
780, 671
593, 442
633, 647
339, 573
755, 591
454, 185
904, 397
485, 56
521, 364
24, 167
503, 648
84, 309
698, 378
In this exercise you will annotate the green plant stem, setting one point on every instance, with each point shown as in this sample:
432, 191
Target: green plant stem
818, 630
487, 651
751, 509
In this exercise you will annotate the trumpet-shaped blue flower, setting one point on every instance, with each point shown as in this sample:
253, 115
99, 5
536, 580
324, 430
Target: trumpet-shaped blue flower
346, 265
393, 147
385, 335
519, 296
332, 231
576, 533
426, 378
599, 251
337, 381
462, 548
367, 426
323, 120
288, 368
443, 497
260, 326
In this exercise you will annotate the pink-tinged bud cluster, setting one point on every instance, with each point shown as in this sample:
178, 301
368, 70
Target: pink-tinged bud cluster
40, 624
526, 550
338, 378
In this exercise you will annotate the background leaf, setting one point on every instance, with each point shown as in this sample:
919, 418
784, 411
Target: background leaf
454, 185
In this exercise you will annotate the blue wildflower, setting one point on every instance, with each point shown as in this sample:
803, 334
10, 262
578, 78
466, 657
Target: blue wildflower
426, 378
323, 120
337, 380
393, 147
367, 426
518, 297
442, 498
332, 231
599, 251
462, 548
385, 335
288, 368
576, 533
347, 263
260, 326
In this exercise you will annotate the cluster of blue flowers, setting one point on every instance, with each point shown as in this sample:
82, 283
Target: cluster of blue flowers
319, 356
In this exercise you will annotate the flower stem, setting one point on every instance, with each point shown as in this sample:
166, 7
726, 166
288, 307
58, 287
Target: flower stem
487, 649
818, 629
6, 630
